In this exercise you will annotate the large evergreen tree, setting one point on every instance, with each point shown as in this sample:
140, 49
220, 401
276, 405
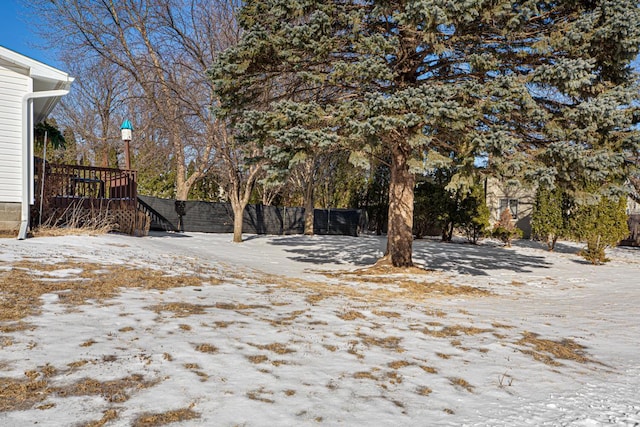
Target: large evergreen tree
525, 83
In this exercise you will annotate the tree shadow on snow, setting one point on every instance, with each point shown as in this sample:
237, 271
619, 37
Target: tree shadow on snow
358, 251
474, 259
561, 248
365, 251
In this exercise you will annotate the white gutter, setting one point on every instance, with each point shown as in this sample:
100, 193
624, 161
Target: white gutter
27, 157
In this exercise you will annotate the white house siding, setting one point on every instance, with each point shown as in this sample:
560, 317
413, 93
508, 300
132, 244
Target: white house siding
14, 84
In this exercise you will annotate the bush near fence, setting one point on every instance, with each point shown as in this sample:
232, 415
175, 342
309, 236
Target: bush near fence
211, 217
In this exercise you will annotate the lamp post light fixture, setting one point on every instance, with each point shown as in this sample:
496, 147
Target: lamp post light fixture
126, 129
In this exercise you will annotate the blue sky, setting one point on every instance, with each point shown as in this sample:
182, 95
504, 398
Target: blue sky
16, 34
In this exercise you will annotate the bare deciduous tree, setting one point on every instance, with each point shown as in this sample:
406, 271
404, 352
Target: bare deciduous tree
164, 47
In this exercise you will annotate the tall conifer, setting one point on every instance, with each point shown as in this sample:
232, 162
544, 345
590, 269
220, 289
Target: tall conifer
541, 88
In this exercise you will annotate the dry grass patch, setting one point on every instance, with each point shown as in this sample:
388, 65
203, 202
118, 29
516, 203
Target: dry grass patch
22, 394
277, 348
389, 287
17, 394
351, 315
195, 368
164, 418
289, 319
259, 395
381, 268
223, 324
429, 369
126, 329
436, 313
416, 289
398, 364
548, 351
236, 307
390, 342
256, 359
181, 309
388, 314
108, 415
206, 348
454, 331
402, 285
114, 391
462, 383
27, 280
424, 391
10, 327
501, 326
77, 364
362, 375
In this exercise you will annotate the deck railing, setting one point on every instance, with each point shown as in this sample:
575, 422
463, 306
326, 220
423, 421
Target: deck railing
64, 185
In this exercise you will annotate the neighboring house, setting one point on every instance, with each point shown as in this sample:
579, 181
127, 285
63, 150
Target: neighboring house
29, 90
633, 207
520, 200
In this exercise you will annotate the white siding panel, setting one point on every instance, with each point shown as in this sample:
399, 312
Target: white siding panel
13, 86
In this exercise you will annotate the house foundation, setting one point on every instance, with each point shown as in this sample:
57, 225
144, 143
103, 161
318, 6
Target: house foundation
10, 217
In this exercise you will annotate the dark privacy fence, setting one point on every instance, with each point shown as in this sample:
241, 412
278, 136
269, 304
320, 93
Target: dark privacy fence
634, 229
211, 217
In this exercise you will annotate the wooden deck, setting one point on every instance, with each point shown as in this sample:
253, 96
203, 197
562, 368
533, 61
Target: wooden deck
64, 190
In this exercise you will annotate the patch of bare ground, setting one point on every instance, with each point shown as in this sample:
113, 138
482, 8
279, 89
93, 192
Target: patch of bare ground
398, 364
288, 319
549, 351
25, 393
390, 342
114, 391
454, 331
108, 415
462, 383
375, 284
388, 314
277, 348
351, 315
424, 391
164, 418
206, 348
26, 281
260, 395
237, 307
180, 309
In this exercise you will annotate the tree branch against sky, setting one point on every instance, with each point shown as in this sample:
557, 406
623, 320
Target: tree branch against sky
164, 47
445, 82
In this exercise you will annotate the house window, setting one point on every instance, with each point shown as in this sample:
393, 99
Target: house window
512, 204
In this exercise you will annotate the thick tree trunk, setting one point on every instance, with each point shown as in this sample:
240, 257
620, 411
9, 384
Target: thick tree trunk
401, 194
309, 205
238, 215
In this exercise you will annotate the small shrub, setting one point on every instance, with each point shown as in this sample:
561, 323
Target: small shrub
601, 225
548, 220
505, 230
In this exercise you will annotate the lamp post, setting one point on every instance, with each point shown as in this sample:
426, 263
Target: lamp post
126, 129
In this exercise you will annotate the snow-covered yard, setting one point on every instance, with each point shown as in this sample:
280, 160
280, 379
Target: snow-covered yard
295, 330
